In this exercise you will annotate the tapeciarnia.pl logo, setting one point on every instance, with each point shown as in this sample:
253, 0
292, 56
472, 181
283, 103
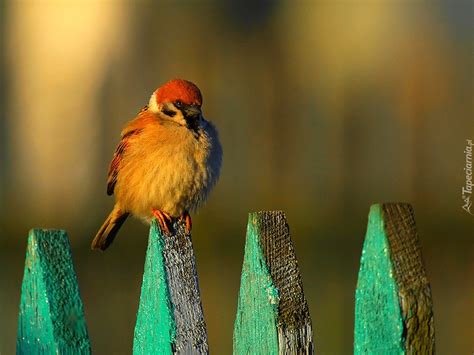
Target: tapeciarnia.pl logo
467, 188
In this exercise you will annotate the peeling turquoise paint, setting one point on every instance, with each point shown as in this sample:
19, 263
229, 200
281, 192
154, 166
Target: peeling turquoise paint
378, 319
51, 318
155, 327
255, 329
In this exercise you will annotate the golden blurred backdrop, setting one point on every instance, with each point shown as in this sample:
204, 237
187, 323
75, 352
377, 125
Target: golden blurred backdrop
324, 107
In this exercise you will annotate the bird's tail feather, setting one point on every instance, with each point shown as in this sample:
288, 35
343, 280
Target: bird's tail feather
106, 234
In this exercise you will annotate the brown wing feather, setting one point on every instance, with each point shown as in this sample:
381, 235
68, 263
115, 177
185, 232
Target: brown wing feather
118, 155
132, 129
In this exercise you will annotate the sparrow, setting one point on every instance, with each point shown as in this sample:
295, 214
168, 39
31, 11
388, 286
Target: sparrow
167, 162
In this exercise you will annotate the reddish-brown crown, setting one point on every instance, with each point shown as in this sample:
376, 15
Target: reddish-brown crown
178, 89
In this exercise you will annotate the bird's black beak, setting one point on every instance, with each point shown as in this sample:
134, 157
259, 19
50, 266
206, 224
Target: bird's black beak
192, 114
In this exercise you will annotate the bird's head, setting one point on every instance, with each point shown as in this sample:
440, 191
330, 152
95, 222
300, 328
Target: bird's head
179, 101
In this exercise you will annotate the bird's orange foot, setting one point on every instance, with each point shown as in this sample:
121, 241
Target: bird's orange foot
164, 219
189, 222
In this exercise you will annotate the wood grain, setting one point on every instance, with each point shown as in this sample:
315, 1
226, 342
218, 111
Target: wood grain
170, 318
273, 315
393, 297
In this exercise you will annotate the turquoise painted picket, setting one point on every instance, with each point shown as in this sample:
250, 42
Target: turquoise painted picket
170, 318
272, 315
393, 307
51, 318
393, 311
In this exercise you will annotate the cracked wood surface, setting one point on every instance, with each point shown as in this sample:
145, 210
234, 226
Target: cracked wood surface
393, 298
273, 315
170, 319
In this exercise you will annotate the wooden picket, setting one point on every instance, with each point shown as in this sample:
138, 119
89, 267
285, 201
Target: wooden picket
393, 311
170, 318
51, 318
272, 315
393, 306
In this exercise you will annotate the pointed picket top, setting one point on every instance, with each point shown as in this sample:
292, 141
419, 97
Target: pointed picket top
170, 318
272, 315
393, 312
51, 318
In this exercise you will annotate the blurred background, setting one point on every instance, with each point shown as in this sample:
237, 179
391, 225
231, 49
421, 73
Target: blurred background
324, 107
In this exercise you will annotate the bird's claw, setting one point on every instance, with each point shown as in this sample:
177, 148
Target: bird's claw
189, 222
164, 219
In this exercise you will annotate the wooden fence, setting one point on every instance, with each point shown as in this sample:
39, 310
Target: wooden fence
393, 307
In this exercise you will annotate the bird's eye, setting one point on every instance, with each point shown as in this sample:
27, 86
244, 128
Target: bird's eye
178, 103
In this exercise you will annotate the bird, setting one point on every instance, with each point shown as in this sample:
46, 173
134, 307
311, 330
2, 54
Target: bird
168, 160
